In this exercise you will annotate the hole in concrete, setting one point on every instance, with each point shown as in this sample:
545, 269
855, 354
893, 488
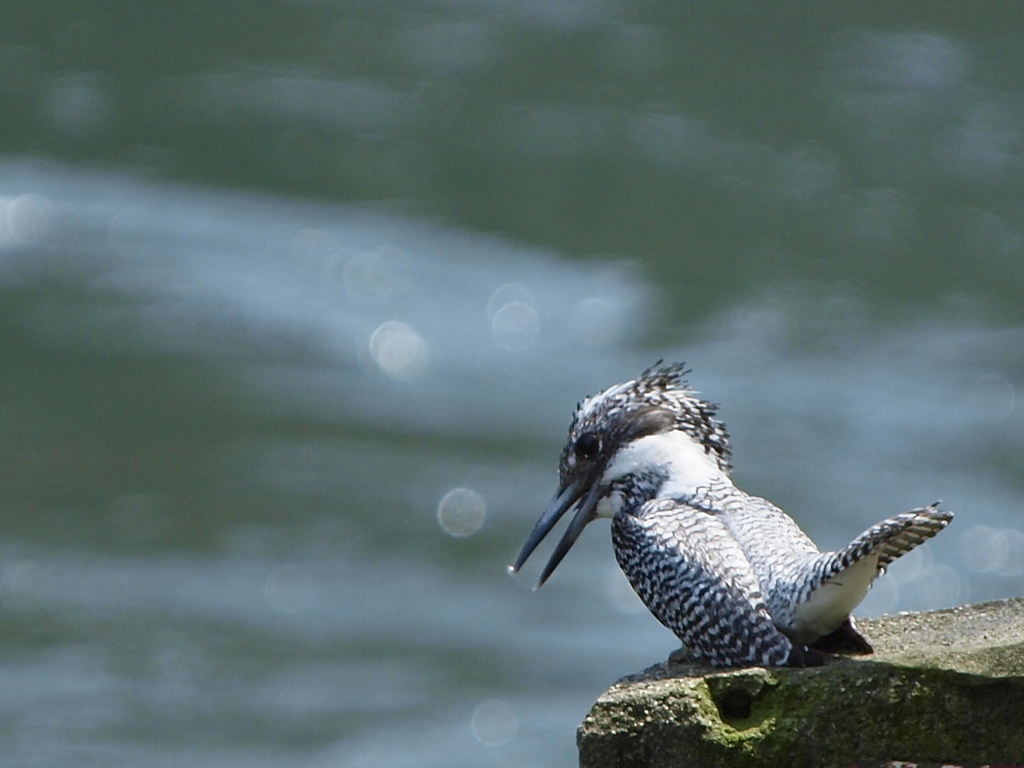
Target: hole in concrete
734, 704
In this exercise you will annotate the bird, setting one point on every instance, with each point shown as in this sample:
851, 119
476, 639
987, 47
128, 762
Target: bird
732, 575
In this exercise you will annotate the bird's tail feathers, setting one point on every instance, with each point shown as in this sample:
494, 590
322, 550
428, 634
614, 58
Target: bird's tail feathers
898, 535
888, 539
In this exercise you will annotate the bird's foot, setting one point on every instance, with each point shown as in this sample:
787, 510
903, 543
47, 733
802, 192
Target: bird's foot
802, 656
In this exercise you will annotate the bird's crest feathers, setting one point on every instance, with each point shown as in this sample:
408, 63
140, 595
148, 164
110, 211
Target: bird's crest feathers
662, 389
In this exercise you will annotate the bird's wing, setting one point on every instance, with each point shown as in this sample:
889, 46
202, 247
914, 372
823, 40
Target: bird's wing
693, 576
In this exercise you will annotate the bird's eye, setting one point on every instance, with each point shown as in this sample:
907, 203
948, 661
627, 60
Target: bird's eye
588, 445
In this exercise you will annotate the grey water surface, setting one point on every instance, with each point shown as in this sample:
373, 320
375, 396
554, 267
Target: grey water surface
265, 463
296, 304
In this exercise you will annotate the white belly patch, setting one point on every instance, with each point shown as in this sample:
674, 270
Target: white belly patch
833, 601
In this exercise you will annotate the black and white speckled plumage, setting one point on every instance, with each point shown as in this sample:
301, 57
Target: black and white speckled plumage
731, 574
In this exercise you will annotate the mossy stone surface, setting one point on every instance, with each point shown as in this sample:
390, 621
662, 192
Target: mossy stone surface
942, 686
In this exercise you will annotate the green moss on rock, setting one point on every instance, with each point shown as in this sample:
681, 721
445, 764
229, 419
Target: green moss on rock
943, 686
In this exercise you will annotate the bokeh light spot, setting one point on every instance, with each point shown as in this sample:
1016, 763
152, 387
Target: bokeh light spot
991, 396
399, 351
29, 218
461, 512
516, 325
507, 294
494, 722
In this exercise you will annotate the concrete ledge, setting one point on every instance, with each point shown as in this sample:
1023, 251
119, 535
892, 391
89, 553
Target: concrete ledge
944, 686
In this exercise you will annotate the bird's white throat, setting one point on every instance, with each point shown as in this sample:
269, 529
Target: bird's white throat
674, 454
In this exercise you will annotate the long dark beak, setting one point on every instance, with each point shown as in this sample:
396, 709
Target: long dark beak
563, 500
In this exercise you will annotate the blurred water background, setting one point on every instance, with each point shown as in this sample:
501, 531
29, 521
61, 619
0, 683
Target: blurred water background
296, 300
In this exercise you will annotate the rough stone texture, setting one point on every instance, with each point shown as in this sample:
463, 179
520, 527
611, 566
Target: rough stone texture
944, 686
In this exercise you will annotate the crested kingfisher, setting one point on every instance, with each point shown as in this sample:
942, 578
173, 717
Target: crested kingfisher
732, 575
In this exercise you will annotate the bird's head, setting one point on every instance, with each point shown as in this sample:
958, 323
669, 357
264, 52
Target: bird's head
633, 438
